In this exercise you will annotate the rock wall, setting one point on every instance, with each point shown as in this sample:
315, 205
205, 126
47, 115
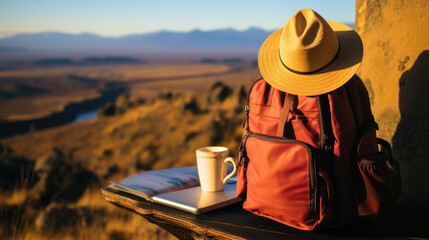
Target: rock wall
395, 70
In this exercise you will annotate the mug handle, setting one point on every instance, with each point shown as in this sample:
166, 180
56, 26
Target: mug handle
231, 160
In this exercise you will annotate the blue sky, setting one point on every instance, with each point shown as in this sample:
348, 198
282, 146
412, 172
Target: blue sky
118, 18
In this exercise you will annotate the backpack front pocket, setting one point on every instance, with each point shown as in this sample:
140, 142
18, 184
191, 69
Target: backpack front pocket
283, 181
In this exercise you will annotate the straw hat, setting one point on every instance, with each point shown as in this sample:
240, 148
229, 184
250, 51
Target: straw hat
310, 56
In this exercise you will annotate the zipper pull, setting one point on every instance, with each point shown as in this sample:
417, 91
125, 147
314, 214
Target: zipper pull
244, 160
246, 117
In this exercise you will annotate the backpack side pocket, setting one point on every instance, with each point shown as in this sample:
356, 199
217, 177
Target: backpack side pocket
379, 176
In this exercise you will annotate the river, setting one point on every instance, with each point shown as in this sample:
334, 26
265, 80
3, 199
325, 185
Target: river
85, 116
72, 113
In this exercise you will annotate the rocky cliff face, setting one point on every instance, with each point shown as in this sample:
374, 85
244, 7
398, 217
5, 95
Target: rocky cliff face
395, 70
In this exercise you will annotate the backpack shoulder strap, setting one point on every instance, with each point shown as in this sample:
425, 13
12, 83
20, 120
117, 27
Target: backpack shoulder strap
285, 113
326, 134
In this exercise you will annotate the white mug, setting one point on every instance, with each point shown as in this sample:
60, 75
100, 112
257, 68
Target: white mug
211, 162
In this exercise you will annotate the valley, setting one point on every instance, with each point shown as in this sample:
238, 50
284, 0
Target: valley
150, 116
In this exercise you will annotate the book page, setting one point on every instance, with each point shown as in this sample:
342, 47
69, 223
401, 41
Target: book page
151, 183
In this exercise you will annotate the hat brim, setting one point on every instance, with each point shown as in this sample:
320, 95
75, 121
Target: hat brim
333, 76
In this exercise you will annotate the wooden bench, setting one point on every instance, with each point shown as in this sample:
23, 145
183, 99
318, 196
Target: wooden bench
233, 222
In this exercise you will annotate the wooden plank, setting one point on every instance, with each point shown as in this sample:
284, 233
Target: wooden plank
233, 222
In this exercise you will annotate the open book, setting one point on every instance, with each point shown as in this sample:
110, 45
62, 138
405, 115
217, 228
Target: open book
150, 183
178, 188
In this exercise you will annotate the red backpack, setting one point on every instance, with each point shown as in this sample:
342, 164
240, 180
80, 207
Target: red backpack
314, 161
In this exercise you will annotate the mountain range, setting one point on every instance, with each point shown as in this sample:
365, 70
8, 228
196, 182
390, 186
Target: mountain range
214, 40
225, 39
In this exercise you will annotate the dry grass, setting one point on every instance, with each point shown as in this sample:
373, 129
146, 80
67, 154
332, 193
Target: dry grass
15, 212
17, 197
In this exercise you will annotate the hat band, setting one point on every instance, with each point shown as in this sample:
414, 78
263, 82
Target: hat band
317, 70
